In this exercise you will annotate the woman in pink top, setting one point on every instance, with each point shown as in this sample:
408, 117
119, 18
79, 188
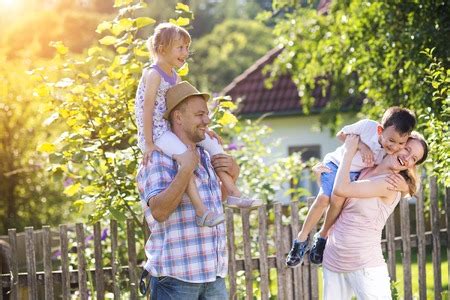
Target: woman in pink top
353, 262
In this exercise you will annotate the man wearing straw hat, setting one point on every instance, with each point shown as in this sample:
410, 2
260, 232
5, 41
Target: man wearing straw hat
186, 261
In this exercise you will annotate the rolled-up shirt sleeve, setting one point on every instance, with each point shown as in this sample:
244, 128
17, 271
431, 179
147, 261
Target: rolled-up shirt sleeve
155, 176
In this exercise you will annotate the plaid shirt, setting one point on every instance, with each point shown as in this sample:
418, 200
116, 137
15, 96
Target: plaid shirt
178, 247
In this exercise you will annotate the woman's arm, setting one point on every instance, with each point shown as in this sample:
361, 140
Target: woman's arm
343, 187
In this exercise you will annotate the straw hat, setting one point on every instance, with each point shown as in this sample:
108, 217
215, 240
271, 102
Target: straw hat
180, 92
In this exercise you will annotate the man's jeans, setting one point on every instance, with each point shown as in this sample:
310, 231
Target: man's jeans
163, 288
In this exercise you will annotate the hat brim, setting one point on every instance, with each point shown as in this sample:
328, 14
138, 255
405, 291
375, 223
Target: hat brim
205, 96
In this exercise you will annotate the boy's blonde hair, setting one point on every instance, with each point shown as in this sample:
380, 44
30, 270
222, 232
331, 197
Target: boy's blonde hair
164, 36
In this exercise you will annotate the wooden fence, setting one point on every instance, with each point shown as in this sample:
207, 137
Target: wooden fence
256, 256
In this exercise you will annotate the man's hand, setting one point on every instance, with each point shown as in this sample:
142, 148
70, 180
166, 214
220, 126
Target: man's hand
148, 152
397, 183
225, 163
366, 154
188, 160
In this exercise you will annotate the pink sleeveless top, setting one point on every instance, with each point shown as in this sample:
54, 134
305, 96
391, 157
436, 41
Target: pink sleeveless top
354, 241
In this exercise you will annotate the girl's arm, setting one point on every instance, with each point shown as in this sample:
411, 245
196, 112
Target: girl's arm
152, 81
343, 187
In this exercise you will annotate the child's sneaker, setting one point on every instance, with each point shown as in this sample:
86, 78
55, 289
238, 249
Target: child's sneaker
209, 219
295, 256
242, 202
317, 249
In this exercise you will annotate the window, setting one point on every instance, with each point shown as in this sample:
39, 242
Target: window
306, 180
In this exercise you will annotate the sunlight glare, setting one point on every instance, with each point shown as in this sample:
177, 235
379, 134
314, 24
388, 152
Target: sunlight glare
7, 2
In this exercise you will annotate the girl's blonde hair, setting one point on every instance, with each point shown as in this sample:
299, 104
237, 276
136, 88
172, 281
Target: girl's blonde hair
410, 174
164, 36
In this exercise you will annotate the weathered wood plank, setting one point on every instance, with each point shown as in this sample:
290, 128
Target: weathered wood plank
46, 243
114, 263
447, 212
82, 281
231, 253
284, 247
421, 244
390, 237
245, 216
295, 227
406, 253
132, 259
281, 268
14, 285
263, 260
99, 276
31, 263
434, 216
65, 275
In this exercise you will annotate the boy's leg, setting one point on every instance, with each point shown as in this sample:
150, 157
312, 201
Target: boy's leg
314, 214
320, 238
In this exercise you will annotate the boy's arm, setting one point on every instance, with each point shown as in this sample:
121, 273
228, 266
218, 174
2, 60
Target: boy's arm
367, 154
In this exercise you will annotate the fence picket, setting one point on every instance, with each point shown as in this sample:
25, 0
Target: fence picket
48, 276
447, 212
31, 263
435, 229
132, 260
263, 262
281, 269
421, 245
245, 215
406, 247
231, 254
390, 237
65, 275
82, 283
99, 276
114, 274
284, 247
295, 228
14, 284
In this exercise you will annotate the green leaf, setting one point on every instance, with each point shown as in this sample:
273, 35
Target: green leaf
144, 21
117, 214
119, 3
47, 148
183, 7
108, 40
60, 48
72, 189
105, 25
184, 70
180, 21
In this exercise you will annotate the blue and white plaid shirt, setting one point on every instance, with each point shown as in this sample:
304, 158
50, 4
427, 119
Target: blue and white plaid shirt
178, 247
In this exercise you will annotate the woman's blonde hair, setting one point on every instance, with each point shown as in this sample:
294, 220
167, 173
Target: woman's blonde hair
410, 175
164, 36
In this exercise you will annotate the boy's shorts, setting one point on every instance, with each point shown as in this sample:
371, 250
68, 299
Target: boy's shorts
327, 179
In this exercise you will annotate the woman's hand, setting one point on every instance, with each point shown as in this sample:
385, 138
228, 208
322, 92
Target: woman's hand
351, 144
149, 148
214, 135
397, 183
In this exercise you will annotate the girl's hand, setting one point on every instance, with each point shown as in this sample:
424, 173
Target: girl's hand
397, 183
351, 144
148, 153
214, 135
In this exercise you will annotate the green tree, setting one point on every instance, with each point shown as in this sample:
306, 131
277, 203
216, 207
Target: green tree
28, 196
367, 50
227, 51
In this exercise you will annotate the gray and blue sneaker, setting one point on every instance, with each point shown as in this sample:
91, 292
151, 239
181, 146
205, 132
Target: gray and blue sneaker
295, 255
317, 249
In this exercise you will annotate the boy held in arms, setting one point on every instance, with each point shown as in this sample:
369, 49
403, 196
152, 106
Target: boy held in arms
376, 140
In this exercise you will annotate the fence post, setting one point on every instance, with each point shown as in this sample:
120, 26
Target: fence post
390, 239
132, 258
99, 274
435, 229
65, 275
14, 264
245, 215
421, 245
231, 253
406, 247
447, 212
281, 269
82, 284
48, 276
116, 291
31, 263
263, 263
295, 228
